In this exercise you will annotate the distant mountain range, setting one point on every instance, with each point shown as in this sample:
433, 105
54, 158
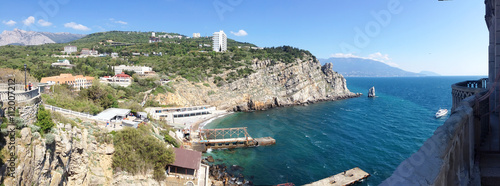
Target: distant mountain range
359, 67
22, 37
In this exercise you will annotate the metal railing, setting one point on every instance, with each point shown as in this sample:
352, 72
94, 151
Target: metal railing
66, 111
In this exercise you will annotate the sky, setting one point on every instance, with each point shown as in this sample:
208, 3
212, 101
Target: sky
446, 37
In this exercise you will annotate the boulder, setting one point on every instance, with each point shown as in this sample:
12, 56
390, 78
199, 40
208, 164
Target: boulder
210, 159
110, 150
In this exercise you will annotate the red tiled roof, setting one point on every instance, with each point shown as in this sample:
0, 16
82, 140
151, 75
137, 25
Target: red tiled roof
187, 158
122, 75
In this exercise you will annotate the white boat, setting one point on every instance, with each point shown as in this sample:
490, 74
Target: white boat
441, 113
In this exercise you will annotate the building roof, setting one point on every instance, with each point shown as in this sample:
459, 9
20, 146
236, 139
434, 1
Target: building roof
122, 75
110, 113
62, 78
187, 158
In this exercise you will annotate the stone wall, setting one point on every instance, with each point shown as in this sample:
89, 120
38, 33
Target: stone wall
447, 157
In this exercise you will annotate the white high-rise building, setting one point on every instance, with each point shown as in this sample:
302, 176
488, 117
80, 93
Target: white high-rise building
196, 35
220, 41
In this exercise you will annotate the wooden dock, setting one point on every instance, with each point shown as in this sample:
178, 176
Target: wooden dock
348, 177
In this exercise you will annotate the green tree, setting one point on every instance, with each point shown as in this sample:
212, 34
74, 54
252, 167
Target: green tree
43, 119
137, 151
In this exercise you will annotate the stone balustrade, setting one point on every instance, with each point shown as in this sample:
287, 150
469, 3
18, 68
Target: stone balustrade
464, 89
447, 157
20, 94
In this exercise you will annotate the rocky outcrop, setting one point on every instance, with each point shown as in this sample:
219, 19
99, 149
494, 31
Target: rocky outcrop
371, 92
73, 157
273, 84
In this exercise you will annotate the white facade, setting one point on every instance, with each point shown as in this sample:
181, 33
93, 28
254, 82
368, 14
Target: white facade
69, 49
141, 70
196, 35
220, 41
170, 114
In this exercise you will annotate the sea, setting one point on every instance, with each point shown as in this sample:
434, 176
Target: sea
320, 140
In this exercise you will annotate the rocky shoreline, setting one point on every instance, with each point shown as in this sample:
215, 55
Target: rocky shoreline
231, 175
252, 106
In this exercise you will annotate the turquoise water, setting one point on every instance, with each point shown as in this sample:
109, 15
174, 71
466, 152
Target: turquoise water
323, 139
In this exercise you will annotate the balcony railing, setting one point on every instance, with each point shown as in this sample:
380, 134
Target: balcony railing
464, 89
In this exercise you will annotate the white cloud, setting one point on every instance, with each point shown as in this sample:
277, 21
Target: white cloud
9, 23
239, 33
119, 21
384, 58
30, 20
76, 26
44, 23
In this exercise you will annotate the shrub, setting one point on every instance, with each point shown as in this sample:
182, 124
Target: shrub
103, 137
34, 128
44, 120
19, 122
49, 139
137, 151
171, 140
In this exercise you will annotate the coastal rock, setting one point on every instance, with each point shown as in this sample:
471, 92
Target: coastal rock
210, 159
371, 92
273, 84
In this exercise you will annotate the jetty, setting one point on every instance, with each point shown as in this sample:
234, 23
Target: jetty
348, 177
226, 138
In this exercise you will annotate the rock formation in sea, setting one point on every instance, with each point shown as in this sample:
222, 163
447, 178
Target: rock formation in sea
371, 92
273, 84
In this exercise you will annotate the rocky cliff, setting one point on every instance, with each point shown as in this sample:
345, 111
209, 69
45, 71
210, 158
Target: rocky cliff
74, 156
273, 84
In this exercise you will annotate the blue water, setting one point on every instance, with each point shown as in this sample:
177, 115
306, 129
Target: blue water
323, 139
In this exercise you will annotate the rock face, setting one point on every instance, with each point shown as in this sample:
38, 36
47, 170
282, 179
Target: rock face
273, 84
371, 92
75, 157
21, 37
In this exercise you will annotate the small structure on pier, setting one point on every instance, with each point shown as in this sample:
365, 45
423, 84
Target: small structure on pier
348, 177
229, 138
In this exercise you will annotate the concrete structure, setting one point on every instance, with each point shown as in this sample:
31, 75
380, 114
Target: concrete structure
465, 150
227, 138
70, 49
219, 41
77, 82
347, 177
169, 114
141, 70
63, 63
114, 55
196, 35
187, 162
119, 79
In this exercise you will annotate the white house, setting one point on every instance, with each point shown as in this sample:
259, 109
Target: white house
196, 35
141, 70
69, 49
62, 63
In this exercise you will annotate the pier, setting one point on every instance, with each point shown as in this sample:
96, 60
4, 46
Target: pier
226, 138
348, 177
